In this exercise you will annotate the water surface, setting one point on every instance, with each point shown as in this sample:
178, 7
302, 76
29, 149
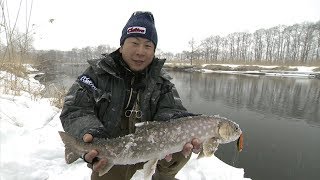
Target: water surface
280, 118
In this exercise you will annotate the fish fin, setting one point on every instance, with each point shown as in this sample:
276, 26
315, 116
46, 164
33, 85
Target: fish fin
200, 155
70, 156
106, 168
209, 147
149, 168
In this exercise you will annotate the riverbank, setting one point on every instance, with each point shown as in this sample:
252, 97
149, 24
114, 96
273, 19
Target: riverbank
281, 71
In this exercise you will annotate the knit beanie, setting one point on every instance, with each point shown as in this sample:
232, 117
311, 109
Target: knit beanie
140, 24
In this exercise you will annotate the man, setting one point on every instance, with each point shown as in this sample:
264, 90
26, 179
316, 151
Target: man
121, 89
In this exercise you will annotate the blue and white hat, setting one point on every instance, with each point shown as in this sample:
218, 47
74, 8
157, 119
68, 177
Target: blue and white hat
140, 24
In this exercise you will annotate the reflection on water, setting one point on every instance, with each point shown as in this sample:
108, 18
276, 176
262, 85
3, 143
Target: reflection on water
280, 118
285, 97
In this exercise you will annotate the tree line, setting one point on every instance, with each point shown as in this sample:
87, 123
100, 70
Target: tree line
291, 45
298, 44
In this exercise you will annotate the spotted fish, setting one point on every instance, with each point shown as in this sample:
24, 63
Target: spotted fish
154, 140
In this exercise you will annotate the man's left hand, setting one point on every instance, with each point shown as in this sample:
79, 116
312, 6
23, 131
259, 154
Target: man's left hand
193, 146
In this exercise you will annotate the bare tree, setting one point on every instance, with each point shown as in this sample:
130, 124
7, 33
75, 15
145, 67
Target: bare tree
295, 45
308, 34
317, 37
16, 44
216, 47
258, 44
192, 45
207, 46
231, 43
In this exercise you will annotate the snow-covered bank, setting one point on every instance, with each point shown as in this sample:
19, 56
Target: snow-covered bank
292, 71
32, 150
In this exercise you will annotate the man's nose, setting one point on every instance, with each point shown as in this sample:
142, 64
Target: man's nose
141, 50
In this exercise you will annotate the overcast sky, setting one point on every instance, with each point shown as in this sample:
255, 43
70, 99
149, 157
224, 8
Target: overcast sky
81, 23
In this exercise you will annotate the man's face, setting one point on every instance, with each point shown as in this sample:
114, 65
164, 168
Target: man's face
137, 52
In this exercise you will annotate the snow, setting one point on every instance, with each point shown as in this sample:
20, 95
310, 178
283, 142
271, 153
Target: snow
300, 68
301, 72
31, 148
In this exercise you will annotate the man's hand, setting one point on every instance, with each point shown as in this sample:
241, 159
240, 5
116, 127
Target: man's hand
92, 155
193, 146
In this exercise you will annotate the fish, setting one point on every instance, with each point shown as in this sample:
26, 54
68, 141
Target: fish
153, 140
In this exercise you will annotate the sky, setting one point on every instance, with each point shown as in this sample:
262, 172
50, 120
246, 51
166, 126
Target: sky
81, 23
31, 149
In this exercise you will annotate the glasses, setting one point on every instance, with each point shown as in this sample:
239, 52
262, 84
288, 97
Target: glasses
128, 113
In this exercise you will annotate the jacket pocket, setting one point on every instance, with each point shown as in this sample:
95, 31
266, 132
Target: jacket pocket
102, 102
101, 97
82, 98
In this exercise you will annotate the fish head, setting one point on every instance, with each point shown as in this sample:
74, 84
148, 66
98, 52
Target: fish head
229, 131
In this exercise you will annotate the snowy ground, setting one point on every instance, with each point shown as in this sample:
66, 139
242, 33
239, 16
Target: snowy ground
301, 72
32, 150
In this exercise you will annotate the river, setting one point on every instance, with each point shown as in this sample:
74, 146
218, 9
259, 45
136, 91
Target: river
280, 119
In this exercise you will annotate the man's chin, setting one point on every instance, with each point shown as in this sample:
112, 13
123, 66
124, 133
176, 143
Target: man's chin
137, 69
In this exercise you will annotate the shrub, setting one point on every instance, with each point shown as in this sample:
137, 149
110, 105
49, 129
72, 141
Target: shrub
57, 95
247, 68
218, 68
14, 68
316, 69
284, 68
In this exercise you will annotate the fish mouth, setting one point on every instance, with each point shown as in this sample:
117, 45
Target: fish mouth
240, 143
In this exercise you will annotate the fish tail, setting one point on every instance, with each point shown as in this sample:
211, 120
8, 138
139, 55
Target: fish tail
70, 156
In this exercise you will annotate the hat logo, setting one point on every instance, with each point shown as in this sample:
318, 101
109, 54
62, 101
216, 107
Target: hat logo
136, 29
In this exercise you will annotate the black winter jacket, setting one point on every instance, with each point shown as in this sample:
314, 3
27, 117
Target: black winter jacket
95, 102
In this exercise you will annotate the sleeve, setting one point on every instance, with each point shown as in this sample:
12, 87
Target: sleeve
78, 116
169, 104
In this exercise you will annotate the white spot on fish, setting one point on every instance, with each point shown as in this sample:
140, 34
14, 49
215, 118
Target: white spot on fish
150, 139
129, 144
